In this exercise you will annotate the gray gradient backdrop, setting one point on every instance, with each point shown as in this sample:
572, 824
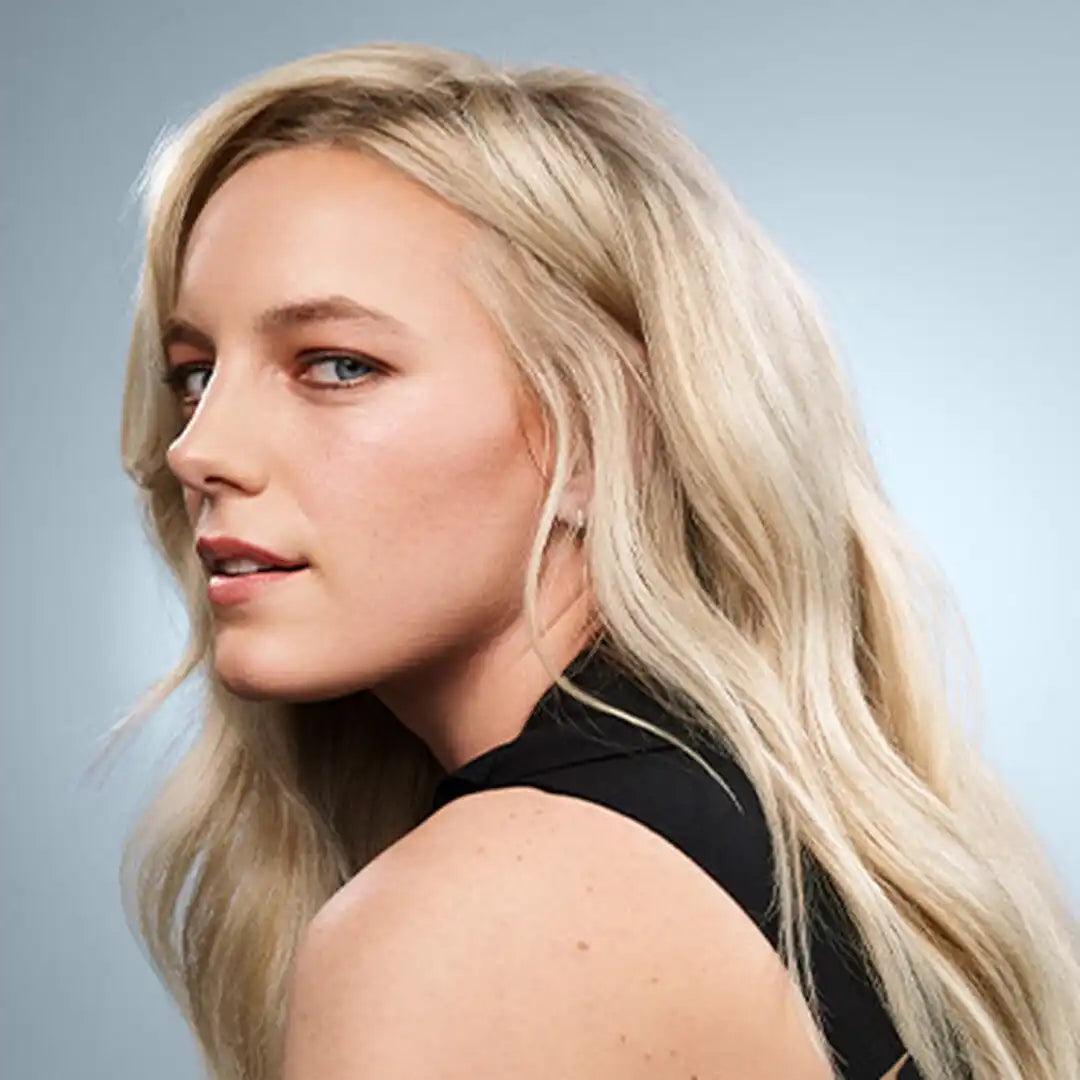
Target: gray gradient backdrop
917, 161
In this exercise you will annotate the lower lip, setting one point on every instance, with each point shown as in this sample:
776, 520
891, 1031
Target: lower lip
223, 589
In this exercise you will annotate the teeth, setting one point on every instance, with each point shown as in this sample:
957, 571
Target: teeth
239, 566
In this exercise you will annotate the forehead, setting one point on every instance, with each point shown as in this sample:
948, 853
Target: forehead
321, 221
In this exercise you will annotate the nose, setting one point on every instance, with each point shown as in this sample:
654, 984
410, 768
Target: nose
218, 445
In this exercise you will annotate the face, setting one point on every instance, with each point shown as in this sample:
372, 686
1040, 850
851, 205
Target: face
390, 452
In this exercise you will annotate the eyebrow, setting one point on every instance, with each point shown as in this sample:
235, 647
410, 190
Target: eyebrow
316, 309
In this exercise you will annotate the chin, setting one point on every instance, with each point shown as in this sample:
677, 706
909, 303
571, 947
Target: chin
254, 678
249, 687
251, 674
268, 666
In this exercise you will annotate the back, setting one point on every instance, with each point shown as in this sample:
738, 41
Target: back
570, 749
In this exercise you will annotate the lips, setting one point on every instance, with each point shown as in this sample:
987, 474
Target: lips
214, 550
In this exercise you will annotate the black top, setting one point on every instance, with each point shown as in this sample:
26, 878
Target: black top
571, 749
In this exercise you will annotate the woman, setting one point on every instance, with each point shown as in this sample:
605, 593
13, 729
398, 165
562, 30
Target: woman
519, 502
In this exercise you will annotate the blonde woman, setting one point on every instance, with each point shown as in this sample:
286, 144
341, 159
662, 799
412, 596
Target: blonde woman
575, 700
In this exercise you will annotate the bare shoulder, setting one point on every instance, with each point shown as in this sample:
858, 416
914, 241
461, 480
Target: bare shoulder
521, 933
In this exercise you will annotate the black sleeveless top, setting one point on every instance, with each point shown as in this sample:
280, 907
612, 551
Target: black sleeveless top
568, 748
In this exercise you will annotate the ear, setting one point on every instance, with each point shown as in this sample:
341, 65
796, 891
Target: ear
539, 439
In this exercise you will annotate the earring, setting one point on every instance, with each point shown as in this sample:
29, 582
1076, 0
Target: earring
578, 525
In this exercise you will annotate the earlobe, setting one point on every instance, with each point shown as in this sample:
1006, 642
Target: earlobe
577, 498
575, 520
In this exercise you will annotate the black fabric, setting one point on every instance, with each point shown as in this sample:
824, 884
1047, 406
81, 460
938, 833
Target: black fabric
568, 748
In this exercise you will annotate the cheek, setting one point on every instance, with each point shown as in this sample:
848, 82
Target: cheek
416, 497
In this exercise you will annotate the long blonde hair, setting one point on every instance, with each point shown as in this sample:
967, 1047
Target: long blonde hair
746, 563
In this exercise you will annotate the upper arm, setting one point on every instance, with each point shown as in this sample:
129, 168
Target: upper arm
523, 934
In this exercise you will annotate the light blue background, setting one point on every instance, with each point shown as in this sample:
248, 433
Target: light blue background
918, 162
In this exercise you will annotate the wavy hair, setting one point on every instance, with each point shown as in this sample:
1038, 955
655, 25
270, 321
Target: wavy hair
746, 562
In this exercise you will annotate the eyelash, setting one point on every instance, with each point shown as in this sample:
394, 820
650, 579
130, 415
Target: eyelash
177, 375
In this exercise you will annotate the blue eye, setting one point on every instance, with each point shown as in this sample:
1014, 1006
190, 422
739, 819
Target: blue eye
176, 377
341, 362
344, 364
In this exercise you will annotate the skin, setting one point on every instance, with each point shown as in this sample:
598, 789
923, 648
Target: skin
411, 485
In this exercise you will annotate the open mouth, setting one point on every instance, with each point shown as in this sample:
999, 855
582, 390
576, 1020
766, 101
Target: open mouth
260, 570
